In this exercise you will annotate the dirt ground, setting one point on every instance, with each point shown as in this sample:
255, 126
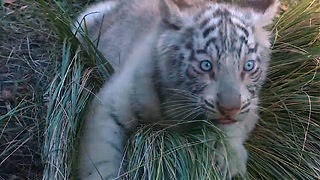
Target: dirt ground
30, 53
25, 63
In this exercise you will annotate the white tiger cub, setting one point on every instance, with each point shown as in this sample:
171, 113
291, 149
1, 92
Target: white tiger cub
216, 54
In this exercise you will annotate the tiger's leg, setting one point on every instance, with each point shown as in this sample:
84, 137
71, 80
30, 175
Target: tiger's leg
112, 117
103, 141
231, 156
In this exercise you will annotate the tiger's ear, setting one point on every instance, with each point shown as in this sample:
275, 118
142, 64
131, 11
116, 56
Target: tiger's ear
263, 10
170, 14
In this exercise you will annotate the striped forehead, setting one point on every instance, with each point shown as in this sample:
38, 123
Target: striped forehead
222, 26
216, 13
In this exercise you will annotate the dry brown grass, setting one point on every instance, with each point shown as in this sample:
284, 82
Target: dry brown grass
25, 48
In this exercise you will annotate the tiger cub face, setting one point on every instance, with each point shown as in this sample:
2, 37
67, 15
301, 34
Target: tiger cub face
217, 55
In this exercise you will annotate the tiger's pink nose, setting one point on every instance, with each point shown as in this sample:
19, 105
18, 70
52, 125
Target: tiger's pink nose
229, 104
228, 112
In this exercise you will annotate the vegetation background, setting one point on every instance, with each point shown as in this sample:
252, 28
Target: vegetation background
46, 80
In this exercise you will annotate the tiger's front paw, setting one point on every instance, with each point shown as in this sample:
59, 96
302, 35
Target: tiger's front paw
231, 161
238, 161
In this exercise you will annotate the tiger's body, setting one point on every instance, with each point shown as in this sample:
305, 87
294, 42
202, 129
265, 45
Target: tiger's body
215, 54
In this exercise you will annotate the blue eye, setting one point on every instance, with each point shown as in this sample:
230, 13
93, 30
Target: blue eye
206, 65
249, 65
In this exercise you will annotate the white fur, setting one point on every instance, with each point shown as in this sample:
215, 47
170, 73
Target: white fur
99, 128
94, 13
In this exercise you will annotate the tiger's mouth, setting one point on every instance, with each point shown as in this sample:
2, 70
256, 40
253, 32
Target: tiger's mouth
219, 120
225, 121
